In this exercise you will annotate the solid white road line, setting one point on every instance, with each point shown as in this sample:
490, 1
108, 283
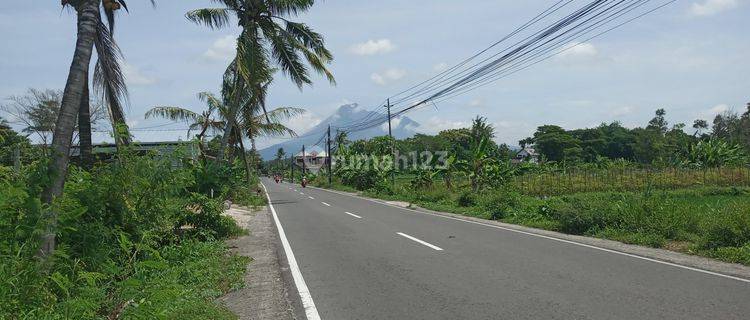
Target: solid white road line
420, 241
353, 215
325, 204
726, 276
311, 198
311, 312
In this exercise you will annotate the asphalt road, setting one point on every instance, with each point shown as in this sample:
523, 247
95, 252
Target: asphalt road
366, 260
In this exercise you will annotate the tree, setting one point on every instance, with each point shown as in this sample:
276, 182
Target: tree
37, 111
481, 129
280, 155
267, 33
203, 122
659, 122
555, 144
91, 32
699, 125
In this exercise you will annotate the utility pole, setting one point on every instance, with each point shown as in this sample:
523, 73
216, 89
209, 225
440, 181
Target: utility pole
393, 145
292, 167
328, 143
304, 165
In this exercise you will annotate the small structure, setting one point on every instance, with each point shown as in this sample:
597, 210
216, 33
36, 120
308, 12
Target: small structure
105, 151
528, 154
313, 160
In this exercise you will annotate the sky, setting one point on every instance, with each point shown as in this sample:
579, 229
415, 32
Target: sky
689, 58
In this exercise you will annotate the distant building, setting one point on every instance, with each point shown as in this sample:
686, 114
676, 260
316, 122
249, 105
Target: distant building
105, 151
313, 160
528, 154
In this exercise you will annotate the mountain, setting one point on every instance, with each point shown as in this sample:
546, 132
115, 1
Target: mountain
344, 116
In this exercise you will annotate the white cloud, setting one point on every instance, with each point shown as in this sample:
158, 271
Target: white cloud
394, 124
223, 49
134, 76
391, 74
579, 50
373, 47
717, 109
476, 103
621, 111
440, 66
435, 125
302, 123
711, 7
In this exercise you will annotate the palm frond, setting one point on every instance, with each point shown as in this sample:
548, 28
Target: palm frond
283, 114
109, 81
214, 18
285, 53
174, 114
272, 130
289, 7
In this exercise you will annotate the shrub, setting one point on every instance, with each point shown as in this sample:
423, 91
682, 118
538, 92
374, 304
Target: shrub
729, 227
466, 199
498, 205
118, 228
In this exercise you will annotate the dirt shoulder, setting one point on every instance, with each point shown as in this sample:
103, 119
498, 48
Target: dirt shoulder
265, 295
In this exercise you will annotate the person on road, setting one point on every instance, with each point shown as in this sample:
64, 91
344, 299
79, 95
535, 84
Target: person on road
304, 182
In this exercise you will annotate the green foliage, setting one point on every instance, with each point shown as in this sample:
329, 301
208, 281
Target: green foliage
714, 153
136, 237
466, 199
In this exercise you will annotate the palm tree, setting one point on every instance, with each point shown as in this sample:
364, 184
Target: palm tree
91, 33
252, 124
267, 33
204, 121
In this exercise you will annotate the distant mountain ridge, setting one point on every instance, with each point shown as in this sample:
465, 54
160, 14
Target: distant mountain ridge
345, 115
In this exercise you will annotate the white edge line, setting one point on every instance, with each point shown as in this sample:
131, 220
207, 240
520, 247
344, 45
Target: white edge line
353, 215
420, 241
325, 203
555, 239
311, 312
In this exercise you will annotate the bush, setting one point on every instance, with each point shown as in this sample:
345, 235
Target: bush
500, 204
727, 228
129, 237
466, 199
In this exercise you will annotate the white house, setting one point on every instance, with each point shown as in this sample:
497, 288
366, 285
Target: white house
527, 154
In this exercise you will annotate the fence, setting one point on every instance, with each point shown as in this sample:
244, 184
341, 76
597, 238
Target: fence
587, 180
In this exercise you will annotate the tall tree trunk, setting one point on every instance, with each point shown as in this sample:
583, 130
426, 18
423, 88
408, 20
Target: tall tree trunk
230, 127
84, 128
88, 12
244, 159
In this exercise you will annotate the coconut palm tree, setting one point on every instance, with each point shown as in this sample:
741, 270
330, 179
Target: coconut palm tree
267, 34
92, 33
203, 122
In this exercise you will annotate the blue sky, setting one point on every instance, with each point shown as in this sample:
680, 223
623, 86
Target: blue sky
689, 58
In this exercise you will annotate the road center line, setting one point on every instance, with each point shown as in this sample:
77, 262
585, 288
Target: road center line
676, 265
311, 198
325, 204
311, 312
420, 241
353, 215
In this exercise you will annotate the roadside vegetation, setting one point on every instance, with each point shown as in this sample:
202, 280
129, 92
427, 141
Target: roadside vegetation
655, 186
99, 234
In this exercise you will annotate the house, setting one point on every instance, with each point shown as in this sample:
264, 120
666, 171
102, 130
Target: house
313, 160
528, 154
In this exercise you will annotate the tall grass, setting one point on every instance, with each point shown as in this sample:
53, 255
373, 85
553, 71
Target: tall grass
570, 181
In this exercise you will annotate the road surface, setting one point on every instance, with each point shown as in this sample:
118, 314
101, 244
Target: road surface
361, 259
